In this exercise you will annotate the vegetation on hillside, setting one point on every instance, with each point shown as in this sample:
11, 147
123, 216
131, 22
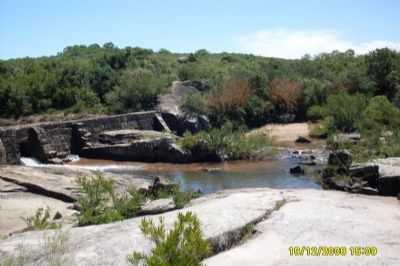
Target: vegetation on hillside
244, 89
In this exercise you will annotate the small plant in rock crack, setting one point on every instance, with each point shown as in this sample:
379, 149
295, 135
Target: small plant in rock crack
183, 245
41, 220
100, 203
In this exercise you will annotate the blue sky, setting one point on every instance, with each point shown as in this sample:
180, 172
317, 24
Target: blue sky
282, 28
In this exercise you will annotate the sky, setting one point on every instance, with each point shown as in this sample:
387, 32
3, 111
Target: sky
278, 28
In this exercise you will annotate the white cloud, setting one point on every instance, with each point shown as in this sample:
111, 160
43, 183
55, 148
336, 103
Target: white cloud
286, 43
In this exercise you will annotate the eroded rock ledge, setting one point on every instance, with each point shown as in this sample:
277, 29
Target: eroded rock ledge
309, 217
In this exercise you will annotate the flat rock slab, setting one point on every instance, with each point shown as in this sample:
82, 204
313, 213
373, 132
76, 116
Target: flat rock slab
16, 206
285, 218
110, 244
322, 218
59, 182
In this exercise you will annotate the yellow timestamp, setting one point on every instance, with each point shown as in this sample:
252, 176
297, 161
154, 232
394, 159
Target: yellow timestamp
320, 251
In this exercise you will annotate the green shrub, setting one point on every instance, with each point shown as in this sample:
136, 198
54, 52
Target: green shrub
137, 90
182, 198
194, 103
320, 131
230, 143
41, 220
181, 246
100, 203
343, 111
380, 115
379, 126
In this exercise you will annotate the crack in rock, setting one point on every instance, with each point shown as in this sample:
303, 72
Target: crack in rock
35, 189
237, 236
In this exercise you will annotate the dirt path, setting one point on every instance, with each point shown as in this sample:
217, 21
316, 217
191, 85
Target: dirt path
286, 134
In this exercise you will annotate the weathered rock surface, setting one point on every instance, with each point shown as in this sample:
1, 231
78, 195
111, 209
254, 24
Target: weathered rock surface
136, 145
322, 218
25, 189
170, 106
222, 215
59, 182
14, 206
283, 218
157, 206
380, 176
54, 141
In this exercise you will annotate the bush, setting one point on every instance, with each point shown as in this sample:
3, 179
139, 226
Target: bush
41, 220
195, 103
230, 143
228, 102
183, 245
380, 115
99, 202
137, 90
342, 112
286, 95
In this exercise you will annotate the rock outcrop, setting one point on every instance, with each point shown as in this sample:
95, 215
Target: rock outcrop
372, 178
282, 217
170, 106
53, 142
135, 145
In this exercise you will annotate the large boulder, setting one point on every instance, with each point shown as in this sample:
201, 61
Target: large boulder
297, 170
389, 185
365, 172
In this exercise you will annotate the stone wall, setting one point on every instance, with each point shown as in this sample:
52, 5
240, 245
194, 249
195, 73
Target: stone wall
52, 142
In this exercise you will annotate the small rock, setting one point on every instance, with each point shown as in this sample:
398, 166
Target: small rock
369, 191
57, 216
157, 206
302, 139
297, 170
389, 185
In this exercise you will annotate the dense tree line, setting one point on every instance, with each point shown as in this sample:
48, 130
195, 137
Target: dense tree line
244, 89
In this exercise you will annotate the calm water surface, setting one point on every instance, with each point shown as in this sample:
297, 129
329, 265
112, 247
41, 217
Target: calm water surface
213, 177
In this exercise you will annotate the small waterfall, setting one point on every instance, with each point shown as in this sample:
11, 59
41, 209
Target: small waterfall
28, 161
73, 158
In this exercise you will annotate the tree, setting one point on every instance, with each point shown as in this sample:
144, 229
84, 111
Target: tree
137, 90
383, 68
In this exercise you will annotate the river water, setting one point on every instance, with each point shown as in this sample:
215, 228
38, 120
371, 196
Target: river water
210, 178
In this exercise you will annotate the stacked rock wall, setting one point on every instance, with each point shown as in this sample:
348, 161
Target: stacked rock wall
51, 142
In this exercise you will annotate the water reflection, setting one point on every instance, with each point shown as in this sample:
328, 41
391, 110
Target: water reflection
213, 177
